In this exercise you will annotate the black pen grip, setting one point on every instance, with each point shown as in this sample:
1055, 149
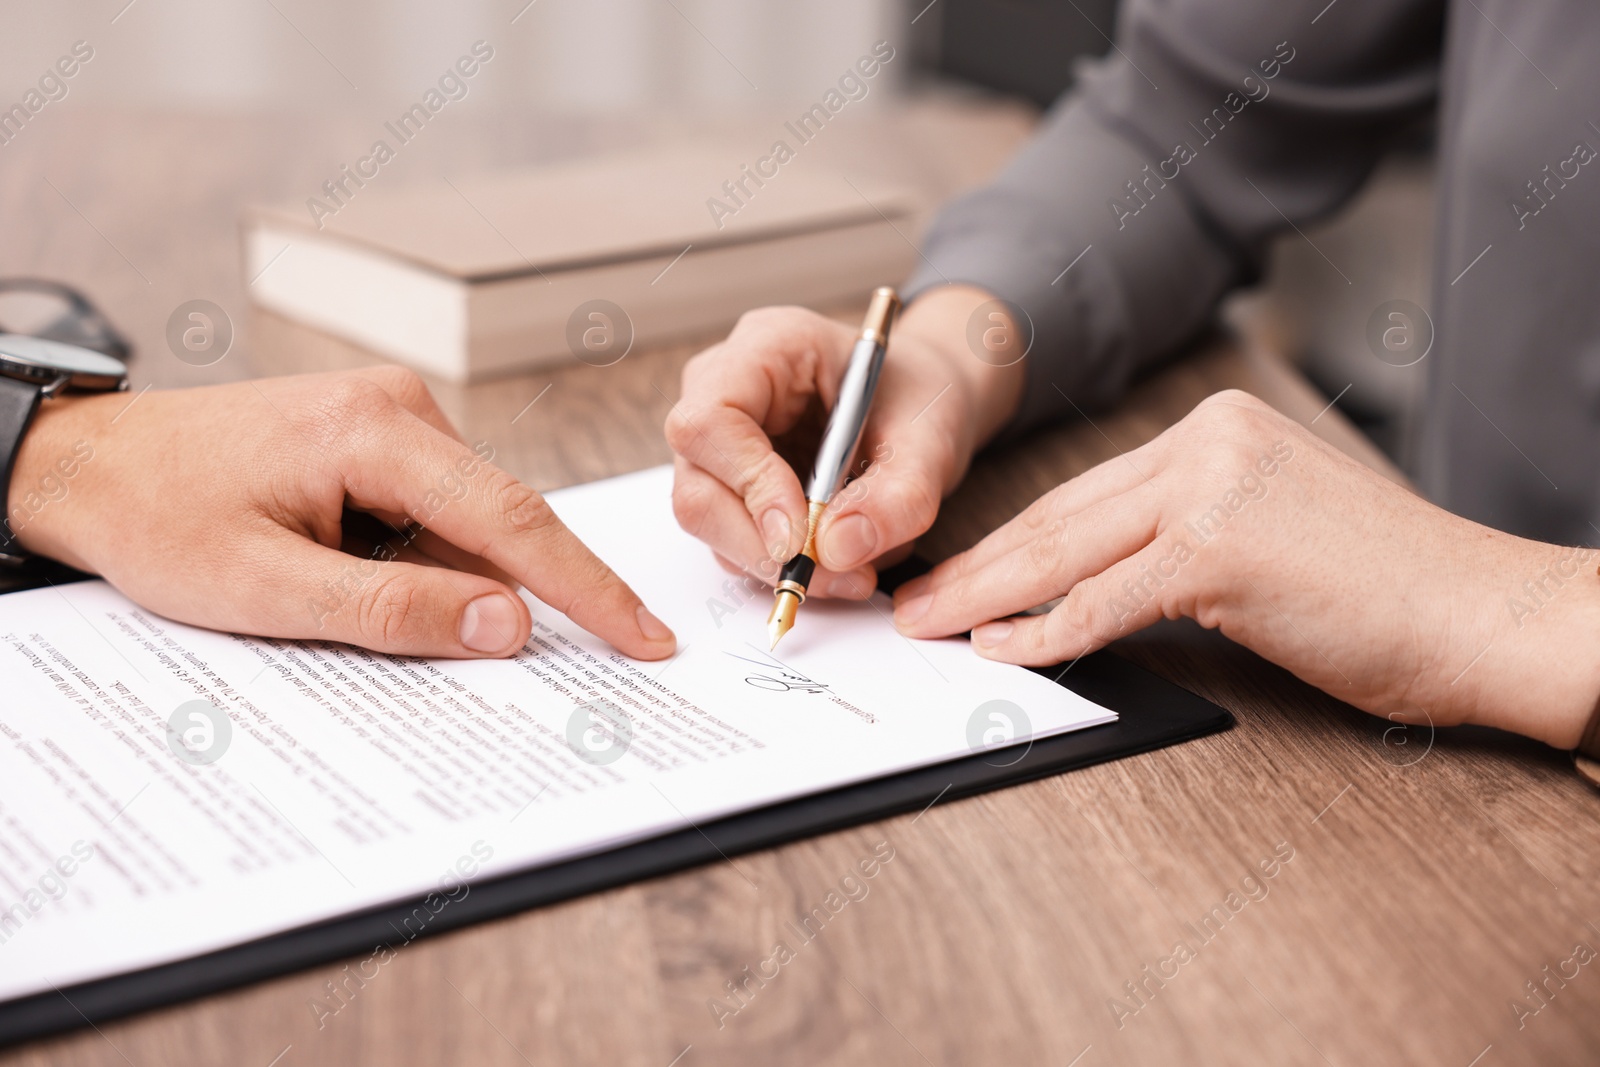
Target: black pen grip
799, 570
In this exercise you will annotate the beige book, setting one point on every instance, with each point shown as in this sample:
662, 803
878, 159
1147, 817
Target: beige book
470, 277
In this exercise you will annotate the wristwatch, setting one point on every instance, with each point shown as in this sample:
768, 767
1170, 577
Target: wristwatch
32, 368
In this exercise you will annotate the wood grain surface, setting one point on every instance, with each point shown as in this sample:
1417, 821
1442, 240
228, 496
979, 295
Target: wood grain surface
1419, 880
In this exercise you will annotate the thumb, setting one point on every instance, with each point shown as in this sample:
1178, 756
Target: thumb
902, 473
409, 609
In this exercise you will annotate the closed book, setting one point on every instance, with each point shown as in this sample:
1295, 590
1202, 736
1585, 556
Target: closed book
474, 276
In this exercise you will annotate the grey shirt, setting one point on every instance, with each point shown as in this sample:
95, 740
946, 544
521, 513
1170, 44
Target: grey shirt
1215, 124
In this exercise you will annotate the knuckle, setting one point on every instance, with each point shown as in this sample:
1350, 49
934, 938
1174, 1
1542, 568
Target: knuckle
785, 335
1233, 410
402, 383
1234, 398
1087, 610
774, 317
1041, 555
565, 603
1036, 643
389, 609
1046, 513
357, 398
346, 411
691, 503
765, 482
521, 507
1228, 436
1242, 455
1213, 417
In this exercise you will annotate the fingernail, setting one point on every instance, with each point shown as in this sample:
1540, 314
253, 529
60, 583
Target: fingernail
850, 542
775, 528
489, 623
652, 628
992, 633
907, 612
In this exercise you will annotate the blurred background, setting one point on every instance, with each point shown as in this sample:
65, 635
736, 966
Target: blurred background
573, 77
584, 55
592, 55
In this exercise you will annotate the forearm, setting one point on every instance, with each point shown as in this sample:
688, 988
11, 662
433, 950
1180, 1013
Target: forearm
1133, 210
1098, 297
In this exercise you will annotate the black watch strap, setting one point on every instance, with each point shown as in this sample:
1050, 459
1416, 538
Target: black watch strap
18, 402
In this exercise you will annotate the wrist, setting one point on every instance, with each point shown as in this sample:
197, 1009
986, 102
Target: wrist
939, 323
1543, 676
48, 471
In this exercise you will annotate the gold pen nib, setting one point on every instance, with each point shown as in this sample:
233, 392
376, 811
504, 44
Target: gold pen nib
781, 621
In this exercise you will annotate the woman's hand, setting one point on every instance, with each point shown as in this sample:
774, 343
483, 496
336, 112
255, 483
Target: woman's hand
749, 401
1243, 520
228, 507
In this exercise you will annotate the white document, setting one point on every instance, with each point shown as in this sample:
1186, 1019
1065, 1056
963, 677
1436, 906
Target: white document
139, 826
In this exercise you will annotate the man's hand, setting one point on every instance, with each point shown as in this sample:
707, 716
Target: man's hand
1245, 521
748, 402
228, 507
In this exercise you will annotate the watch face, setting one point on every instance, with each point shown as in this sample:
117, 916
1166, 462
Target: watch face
37, 359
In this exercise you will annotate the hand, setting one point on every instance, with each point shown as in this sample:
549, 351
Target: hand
744, 415
1245, 521
227, 507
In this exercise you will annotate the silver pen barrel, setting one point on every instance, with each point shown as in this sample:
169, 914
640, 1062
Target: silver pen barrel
849, 417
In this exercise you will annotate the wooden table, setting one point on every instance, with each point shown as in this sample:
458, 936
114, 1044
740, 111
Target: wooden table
1431, 876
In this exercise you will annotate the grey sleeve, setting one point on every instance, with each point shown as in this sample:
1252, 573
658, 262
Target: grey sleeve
1151, 189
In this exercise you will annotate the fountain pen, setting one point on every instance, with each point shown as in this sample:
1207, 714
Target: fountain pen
838, 448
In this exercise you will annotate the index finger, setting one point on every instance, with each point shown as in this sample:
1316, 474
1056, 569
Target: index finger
739, 394
1033, 570
444, 486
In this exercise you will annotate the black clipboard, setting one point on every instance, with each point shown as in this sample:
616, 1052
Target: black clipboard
1153, 713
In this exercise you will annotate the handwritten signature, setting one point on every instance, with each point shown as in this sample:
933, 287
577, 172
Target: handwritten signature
776, 677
